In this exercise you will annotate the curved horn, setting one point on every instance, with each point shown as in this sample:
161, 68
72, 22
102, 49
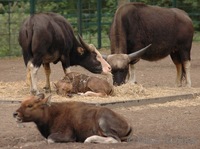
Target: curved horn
138, 54
86, 46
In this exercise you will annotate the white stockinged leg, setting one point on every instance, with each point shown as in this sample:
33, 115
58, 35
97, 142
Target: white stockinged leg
68, 70
28, 75
128, 74
131, 74
47, 71
34, 71
179, 75
186, 66
99, 139
50, 141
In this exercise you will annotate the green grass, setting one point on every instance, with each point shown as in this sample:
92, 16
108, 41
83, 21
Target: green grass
196, 36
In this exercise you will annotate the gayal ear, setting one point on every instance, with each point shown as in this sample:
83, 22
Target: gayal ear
40, 96
80, 50
54, 85
47, 101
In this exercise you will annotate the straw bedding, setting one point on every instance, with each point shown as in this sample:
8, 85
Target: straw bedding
20, 90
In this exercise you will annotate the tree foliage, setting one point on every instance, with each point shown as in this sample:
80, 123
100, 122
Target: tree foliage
13, 12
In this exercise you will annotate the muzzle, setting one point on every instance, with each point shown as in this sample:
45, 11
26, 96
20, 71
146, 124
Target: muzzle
16, 116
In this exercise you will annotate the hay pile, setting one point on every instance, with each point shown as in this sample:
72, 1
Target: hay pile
19, 90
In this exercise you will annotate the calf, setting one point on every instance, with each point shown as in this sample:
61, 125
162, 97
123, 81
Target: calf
73, 121
85, 85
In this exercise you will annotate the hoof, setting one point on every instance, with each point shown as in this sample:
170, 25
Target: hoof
34, 92
188, 85
81, 94
47, 89
50, 141
70, 95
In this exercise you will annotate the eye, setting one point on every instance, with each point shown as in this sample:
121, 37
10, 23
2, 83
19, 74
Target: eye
30, 106
94, 53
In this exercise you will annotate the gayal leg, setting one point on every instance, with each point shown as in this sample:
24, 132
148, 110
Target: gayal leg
47, 71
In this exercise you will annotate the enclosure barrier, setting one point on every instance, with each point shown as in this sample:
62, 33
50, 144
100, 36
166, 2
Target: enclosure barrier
89, 18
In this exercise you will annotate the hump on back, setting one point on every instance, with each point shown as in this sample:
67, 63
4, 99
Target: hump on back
49, 38
136, 25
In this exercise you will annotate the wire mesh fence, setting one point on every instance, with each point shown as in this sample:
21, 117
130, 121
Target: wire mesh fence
12, 13
90, 18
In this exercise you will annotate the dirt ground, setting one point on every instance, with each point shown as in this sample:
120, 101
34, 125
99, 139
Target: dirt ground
167, 125
170, 125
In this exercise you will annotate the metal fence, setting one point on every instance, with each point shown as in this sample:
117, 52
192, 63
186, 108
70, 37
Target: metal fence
90, 18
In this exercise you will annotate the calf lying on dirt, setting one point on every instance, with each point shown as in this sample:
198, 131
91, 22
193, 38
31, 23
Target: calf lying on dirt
73, 121
74, 82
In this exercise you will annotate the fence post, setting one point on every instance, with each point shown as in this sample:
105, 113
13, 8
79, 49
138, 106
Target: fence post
99, 6
32, 7
9, 30
174, 3
79, 4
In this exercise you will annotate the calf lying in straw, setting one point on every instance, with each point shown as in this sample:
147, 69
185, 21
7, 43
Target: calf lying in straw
73, 121
82, 84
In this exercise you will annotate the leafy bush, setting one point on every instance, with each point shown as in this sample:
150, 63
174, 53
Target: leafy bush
13, 12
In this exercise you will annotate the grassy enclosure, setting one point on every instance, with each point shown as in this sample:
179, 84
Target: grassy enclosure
91, 18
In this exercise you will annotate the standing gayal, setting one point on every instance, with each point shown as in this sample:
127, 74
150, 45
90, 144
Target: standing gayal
135, 25
48, 37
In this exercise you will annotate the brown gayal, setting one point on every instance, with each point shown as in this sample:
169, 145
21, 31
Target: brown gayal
77, 83
73, 121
